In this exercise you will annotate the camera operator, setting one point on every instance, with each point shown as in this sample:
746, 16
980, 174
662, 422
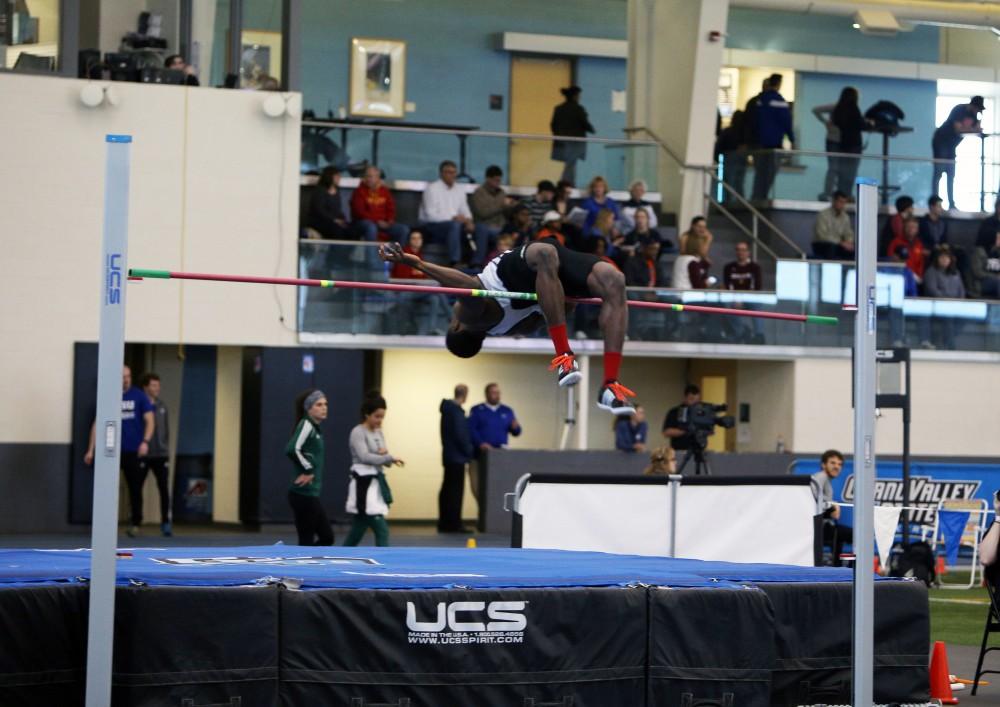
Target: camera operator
675, 427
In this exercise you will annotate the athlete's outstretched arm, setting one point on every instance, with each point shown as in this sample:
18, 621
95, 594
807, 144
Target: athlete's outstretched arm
448, 277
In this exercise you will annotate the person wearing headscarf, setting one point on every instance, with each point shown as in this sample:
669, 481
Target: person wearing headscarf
305, 449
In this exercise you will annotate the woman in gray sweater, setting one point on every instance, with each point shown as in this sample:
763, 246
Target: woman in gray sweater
368, 496
941, 279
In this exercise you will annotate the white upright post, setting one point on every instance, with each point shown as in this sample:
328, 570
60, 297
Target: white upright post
107, 424
864, 443
583, 402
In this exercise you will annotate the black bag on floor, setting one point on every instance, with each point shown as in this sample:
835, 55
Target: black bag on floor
915, 561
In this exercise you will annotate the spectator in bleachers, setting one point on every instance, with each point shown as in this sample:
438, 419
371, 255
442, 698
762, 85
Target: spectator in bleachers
175, 62
933, 228
329, 211
909, 249
772, 124
489, 204
893, 228
824, 115
834, 233
641, 269
984, 273
941, 279
520, 225
402, 271
570, 119
560, 202
598, 200
849, 123
603, 229
541, 202
418, 313
990, 225
632, 431
636, 202
730, 148
640, 231
505, 242
551, 228
963, 119
444, 212
692, 266
373, 209
699, 227
743, 273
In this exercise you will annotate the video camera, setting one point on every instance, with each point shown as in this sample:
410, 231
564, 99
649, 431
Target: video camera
700, 421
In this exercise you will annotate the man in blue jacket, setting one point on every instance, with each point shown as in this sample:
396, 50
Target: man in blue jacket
491, 422
456, 452
772, 122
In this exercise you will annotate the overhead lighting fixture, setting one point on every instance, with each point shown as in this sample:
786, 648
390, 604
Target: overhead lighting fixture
879, 23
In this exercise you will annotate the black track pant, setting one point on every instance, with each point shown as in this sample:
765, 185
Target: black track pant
450, 497
135, 468
311, 522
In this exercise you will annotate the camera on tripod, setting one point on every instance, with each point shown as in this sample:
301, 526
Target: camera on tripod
699, 421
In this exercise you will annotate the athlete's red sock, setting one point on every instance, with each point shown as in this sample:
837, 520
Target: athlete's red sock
559, 339
612, 362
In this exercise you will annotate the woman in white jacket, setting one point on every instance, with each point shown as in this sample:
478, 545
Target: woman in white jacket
368, 496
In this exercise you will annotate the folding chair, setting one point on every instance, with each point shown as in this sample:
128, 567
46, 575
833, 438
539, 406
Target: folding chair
992, 626
971, 535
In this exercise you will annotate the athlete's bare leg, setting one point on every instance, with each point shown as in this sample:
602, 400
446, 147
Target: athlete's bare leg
608, 283
543, 258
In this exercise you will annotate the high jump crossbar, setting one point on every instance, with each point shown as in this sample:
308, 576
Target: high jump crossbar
141, 274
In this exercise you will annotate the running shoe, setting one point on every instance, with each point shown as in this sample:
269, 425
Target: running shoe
614, 398
569, 370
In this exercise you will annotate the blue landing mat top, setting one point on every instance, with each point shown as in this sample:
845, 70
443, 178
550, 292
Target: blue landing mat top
397, 568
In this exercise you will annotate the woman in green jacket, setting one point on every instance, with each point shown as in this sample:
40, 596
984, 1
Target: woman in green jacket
305, 449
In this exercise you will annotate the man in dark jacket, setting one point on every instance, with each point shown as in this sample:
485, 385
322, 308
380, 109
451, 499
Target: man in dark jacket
772, 122
570, 119
456, 452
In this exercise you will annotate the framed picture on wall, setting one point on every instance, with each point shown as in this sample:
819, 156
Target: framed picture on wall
378, 78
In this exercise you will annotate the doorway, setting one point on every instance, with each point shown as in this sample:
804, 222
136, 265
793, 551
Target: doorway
534, 93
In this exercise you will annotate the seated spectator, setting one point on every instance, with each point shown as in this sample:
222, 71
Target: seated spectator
519, 225
552, 226
636, 202
175, 62
541, 203
833, 231
641, 231
328, 207
692, 266
444, 212
505, 242
402, 271
560, 202
699, 227
631, 431
373, 209
941, 279
984, 273
489, 204
893, 228
598, 201
602, 229
743, 273
990, 225
933, 228
641, 269
908, 249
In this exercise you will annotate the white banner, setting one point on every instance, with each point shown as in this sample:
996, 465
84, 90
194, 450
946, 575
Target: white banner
886, 520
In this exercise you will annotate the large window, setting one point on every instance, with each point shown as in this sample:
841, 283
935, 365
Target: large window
975, 186
29, 35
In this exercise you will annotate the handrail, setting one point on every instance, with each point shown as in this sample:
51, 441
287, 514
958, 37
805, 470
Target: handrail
855, 155
403, 128
754, 212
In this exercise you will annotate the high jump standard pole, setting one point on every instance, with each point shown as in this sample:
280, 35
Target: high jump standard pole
864, 442
107, 423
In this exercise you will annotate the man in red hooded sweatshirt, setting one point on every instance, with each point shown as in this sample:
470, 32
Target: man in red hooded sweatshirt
373, 209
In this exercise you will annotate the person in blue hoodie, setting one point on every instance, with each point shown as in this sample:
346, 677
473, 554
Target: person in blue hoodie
456, 452
772, 122
491, 423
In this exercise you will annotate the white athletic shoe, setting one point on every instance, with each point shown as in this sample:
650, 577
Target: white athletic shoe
614, 398
569, 370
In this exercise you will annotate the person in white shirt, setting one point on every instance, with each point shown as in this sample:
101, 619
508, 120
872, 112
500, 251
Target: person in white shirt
444, 212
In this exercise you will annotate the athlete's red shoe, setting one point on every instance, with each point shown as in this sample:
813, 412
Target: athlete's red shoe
614, 398
569, 370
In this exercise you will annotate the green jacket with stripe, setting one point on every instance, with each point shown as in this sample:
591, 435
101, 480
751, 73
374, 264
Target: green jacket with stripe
305, 449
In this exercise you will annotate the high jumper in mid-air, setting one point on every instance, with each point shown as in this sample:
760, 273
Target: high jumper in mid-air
553, 272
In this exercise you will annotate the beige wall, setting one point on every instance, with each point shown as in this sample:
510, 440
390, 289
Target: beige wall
969, 47
213, 188
226, 456
768, 387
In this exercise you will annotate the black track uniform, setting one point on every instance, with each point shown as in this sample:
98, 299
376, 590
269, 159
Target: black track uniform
574, 268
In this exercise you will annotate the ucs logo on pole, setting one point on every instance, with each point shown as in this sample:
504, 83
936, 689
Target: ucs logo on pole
113, 279
465, 622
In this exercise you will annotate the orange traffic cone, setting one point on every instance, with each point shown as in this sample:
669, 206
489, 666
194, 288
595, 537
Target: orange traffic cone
939, 566
877, 566
940, 679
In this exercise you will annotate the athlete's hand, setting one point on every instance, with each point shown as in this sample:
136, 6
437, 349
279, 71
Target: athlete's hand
394, 253
398, 462
303, 479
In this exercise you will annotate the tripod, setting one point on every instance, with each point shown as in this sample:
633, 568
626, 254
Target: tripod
701, 465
